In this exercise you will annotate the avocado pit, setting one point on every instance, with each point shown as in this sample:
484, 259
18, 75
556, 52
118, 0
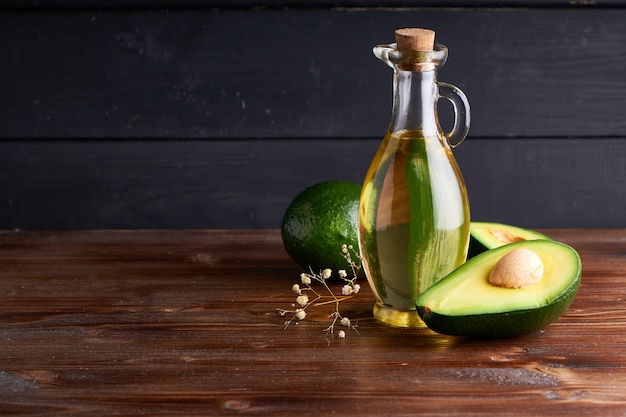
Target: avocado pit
518, 268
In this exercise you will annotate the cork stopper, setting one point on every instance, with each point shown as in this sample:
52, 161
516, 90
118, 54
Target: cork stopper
415, 39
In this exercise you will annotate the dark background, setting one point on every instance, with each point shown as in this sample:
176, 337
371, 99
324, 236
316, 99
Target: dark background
215, 114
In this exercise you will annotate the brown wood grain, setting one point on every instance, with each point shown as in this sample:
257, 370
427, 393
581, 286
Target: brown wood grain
186, 323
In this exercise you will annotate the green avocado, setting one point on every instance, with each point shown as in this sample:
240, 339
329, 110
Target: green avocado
485, 236
318, 222
464, 303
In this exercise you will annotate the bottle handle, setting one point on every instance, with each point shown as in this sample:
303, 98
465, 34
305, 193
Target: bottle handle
461, 113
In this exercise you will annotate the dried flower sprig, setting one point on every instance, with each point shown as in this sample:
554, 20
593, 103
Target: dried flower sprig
326, 295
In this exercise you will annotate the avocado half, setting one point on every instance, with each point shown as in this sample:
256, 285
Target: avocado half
464, 303
485, 236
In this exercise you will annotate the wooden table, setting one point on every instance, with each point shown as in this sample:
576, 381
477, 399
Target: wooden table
186, 323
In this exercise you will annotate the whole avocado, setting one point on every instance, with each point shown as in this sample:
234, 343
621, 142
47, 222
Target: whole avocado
318, 222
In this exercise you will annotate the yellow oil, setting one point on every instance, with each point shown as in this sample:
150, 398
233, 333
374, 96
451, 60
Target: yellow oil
413, 222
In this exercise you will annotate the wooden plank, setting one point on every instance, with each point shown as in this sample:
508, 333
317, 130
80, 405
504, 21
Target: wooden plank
249, 183
198, 74
185, 322
296, 4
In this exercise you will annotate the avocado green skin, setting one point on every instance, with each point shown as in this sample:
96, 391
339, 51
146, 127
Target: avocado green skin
504, 324
318, 221
476, 247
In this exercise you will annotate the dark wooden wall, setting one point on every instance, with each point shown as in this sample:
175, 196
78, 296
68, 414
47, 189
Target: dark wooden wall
215, 114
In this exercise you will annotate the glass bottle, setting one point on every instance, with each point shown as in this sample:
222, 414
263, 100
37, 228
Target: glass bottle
414, 211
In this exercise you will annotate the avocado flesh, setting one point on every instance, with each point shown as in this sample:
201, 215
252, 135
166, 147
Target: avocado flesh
485, 236
465, 304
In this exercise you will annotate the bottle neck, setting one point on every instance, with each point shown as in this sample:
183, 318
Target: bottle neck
414, 102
